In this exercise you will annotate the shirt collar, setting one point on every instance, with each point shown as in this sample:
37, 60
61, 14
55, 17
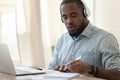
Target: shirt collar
88, 31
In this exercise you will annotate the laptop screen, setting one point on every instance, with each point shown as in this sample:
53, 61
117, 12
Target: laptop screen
6, 64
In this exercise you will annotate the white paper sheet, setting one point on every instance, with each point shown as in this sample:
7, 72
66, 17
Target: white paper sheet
58, 74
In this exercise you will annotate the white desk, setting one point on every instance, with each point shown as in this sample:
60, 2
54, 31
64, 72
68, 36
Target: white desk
39, 77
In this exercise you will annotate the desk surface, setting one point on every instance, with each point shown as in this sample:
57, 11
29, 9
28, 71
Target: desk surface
39, 77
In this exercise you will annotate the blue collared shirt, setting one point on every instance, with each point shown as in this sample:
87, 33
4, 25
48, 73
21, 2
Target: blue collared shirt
95, 47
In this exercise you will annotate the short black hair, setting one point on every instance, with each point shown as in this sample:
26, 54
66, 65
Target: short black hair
78, 2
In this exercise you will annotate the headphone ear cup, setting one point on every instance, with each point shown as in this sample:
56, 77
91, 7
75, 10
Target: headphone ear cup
84, 11
61, 20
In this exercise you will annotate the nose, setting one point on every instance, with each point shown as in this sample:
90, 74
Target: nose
69, 21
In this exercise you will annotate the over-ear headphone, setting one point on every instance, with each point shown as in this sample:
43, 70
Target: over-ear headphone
85, 14
86, 9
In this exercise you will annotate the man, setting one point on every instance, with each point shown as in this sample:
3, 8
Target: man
85, 48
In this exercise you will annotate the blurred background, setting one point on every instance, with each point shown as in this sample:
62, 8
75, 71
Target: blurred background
31, 28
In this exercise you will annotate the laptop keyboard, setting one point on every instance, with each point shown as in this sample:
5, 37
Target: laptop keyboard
27, 70
21, 71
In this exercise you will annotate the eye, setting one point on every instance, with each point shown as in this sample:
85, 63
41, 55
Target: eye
64, 18
74, 15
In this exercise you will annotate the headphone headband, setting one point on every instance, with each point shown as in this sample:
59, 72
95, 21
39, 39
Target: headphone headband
87, 11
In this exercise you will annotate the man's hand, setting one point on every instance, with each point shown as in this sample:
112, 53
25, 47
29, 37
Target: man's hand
79, 67
74, 66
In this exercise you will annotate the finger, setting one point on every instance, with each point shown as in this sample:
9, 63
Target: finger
62, 68
69, 68
56, 67
66, 69
73, 65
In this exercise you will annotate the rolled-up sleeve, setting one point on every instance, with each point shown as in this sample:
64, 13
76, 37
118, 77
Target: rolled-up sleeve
109, 50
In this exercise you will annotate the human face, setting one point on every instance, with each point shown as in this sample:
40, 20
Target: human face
73, 18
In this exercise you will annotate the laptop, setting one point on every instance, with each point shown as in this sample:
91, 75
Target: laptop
7, 66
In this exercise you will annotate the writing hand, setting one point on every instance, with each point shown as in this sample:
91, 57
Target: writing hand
79, 67
62, 68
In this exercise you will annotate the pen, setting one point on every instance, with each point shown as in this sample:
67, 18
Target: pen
39, 68
35, 67
78, 58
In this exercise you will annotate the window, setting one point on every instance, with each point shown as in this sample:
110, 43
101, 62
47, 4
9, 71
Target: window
8, 29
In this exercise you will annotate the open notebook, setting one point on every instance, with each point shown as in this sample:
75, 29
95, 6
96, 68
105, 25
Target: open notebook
60, 75
6, 65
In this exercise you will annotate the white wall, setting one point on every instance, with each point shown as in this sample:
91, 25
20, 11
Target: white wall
90, 4
107, 16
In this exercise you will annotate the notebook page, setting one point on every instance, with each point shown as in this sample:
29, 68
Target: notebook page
58, 74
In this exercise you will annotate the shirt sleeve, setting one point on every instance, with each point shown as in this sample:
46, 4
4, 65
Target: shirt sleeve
110, 53
54, 61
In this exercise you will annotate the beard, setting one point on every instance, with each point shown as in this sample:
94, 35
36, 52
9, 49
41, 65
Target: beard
78, 31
